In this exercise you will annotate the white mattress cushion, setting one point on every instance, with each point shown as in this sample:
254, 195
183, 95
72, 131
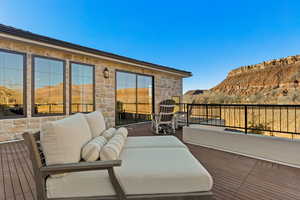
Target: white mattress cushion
162, 170
113, 148
91, 151
153, 142
62, 140
109, 133
96, 122
143, 171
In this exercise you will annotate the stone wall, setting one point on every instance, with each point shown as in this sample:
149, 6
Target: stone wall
166, 86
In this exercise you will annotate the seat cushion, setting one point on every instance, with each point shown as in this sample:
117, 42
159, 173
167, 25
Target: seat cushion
153, 142
80, 184
62, 140
162, 170
143, 171
96, 122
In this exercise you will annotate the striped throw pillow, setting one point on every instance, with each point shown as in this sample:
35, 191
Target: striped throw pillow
91, 151
113, 148
122, 131
109, 133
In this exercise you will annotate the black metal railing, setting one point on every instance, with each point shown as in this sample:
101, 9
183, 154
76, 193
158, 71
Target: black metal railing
133, 112
266, 119
58, 108
82, 107
48, 108
11, 109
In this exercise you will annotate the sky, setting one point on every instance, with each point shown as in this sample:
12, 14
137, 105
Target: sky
208, 38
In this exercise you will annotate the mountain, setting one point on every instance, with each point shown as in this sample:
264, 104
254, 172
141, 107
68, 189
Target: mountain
10, 96
274, 81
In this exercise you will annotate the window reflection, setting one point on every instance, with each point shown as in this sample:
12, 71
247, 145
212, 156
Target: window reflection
48, 86
82, 88
134, 97
11, 84
144, 97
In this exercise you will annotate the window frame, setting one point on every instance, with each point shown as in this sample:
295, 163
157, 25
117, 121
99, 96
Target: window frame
136, 81
24, 83
33, 114
70, 85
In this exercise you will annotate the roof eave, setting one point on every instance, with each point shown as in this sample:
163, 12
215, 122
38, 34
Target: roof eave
59, 43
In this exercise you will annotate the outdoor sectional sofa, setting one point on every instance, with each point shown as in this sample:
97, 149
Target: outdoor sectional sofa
149, 167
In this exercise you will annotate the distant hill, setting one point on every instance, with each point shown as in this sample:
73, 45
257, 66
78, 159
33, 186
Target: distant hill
275, 81
10, 96
191, 94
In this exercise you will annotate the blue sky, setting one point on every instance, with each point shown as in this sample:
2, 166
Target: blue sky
208, 38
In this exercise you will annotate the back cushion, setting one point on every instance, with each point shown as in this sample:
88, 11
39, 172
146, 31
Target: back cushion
62, 140
96, 122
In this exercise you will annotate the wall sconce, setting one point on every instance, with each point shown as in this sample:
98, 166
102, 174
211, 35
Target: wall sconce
296, 83
106, 73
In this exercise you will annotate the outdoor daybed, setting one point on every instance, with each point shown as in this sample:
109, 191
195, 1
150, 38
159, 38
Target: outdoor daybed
157, 167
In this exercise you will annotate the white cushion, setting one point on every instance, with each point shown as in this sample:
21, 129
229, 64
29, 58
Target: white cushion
96, 122
153, 142
62, 140
113, 148
91, 151
122, 131
162, 170
109, 133
143, 171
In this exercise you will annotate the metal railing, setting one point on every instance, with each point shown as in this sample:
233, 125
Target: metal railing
11, 109
58, 108
82, 107
266, 119
133, 112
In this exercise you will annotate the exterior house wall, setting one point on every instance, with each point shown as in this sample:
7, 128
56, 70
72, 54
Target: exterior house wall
166, 85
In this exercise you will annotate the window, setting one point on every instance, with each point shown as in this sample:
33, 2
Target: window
134, 93
48, 86
12, 97
82, 88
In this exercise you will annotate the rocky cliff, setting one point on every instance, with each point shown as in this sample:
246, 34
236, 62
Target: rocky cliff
274, 81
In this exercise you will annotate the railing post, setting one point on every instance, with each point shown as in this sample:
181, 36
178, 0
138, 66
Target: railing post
206, 110
246, 119
187, 115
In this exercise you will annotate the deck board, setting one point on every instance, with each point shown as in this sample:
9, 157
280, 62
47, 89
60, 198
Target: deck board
235, 177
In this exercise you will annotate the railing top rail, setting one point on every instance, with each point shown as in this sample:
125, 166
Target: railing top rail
249, 105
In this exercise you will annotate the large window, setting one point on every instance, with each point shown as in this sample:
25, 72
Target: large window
134, 93
82, 88
48, 86
12, 98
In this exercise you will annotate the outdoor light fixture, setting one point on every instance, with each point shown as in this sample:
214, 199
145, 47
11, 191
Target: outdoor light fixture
106, 73
296, 83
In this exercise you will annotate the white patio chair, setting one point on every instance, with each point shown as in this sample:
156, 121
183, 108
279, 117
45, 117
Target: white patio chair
164, 120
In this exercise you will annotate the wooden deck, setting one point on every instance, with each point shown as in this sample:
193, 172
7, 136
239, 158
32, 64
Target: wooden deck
235, 177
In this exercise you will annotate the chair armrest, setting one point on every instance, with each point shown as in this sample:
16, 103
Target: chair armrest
76, 167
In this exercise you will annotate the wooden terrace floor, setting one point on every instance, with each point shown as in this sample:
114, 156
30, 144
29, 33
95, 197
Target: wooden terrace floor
235, 177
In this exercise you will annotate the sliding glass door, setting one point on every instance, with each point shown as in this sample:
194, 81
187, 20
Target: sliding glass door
134, 97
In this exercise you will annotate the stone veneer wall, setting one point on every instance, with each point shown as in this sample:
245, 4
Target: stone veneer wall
166, 86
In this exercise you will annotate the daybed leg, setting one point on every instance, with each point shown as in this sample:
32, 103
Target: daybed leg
116, 185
